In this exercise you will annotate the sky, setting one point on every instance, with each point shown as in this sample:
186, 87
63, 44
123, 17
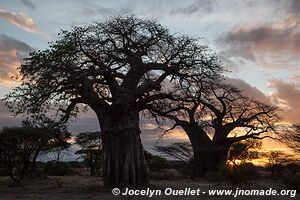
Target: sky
257, 41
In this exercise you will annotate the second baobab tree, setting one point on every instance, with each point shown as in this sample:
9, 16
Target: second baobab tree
214, 116
117, 68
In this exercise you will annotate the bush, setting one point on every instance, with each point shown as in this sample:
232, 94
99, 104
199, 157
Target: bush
157, 163
57, 169
236, 175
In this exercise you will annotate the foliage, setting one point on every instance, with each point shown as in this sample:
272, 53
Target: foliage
59, 134
91, 149
157, 163
244, 151
92, 64
291, 136
18, 147
181, 151
276, 161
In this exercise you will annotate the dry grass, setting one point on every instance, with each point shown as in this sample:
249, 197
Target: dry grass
85, 187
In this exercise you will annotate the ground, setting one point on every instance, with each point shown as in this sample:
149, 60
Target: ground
85, 187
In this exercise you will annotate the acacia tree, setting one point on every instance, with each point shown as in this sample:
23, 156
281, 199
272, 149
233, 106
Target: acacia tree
215, 116
91, 148
18, 147
117, 69
58, 135
181, 151
244, 151
291, 136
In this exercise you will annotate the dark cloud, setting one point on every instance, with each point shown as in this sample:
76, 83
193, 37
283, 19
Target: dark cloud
269, 38
271, 45
293, 6
96, 10
273, 38
9, 43
204, 6
12, 52
287, 96
28, 3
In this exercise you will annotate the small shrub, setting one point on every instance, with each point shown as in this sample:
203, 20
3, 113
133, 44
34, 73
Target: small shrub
158, 163
57, 169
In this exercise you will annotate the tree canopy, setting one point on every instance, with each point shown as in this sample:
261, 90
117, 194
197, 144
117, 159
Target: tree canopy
19, 147
123, 60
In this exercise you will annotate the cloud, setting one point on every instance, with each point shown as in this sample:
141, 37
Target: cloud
247, 89
270, 45
287, 96
293, 6
204, 6
28, 3
271, 40
21, 20
12, 52
282, 36
9, 43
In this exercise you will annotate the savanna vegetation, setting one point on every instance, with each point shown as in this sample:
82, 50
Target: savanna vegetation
124, 68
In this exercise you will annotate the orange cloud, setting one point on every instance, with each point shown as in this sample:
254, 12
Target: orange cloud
21, 20
11, 53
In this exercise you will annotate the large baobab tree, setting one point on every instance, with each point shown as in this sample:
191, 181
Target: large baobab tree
117, 68
215, 116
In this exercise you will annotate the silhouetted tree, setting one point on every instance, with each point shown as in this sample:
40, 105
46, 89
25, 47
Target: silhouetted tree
18, 148
276, 160
181, 151
215, 116
91, 148
291, 136
156, 162
244, 151
59, 135
117, 68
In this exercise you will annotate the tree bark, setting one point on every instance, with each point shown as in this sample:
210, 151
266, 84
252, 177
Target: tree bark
209, 158
124, 162
209, 155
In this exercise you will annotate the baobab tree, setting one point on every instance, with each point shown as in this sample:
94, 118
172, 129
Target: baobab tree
117, 68
214, 116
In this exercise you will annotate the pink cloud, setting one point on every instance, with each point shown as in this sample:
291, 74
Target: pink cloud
21, 20
287, 96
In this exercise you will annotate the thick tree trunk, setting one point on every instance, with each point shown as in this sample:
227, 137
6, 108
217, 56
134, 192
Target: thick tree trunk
209, 158
124, 162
